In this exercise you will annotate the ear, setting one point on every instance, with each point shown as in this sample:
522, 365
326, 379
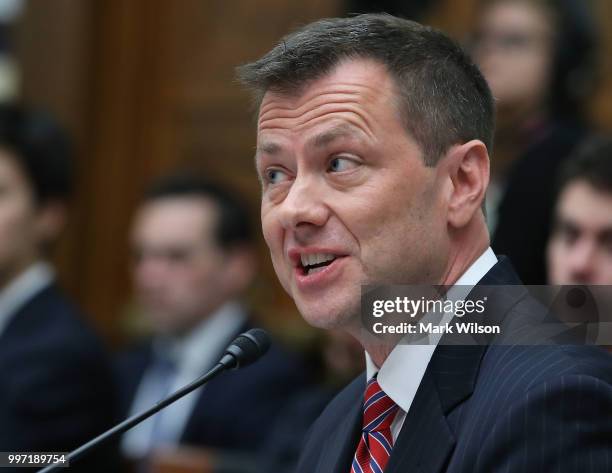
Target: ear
469, 176
50, 221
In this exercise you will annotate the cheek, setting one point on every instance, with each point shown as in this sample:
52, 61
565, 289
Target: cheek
271, 229
535, 74
379, 204
273, 235
183, 281
555, 255
15, 230
204, 276
139, 278
8, 237
401, 234
605, 267
380, 230
191, 290
393, 238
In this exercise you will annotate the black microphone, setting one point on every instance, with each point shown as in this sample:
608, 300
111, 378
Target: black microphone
247, 348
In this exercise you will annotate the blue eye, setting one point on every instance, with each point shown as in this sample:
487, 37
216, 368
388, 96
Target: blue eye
341, 164
274, 176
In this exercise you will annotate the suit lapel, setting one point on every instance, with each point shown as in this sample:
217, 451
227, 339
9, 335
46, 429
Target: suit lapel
426, 440
339, 449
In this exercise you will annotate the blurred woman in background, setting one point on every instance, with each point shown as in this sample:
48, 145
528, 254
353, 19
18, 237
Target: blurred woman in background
539, 59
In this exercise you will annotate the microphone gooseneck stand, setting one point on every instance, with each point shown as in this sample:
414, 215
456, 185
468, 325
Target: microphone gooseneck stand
244, 350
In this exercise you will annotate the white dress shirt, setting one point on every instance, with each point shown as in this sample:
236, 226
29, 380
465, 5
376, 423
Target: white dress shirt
404, 368
193, 355
21, 289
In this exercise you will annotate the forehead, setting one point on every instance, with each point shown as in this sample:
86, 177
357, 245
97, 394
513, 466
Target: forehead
175, 219
357, 91
517, 15
585, 205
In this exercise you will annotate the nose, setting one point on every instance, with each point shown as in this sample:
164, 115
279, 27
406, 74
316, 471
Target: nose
304, 206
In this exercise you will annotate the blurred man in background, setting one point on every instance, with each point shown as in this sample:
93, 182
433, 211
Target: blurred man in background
342, 359
579, 250
193, 258
55, 388
580, 247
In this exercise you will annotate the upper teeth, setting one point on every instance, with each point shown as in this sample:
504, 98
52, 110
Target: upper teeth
316, 258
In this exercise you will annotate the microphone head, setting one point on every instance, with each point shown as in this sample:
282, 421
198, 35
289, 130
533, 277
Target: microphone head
246, 348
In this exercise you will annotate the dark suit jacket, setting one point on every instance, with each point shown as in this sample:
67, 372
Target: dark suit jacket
56, 387
234, 411
487, 409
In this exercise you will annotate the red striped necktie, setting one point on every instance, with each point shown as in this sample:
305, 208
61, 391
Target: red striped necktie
376, 442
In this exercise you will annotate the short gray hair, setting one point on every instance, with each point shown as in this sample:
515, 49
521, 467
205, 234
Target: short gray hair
444, 98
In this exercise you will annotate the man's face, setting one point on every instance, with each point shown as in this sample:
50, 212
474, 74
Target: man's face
18, 220
346, 197
580, 248
178, 267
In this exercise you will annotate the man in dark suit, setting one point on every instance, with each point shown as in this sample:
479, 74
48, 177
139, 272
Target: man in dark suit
372, 148
56, 387
193, 259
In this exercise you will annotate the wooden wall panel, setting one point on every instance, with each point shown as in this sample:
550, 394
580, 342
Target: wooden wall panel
601, 105
54, 46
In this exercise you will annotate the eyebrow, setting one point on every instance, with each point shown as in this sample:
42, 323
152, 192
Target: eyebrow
268, 147
569, 225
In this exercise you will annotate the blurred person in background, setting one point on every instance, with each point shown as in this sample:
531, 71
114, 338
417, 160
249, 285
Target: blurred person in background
342, 359
579, 250
538, 58
580, 246
56, 387
194, 257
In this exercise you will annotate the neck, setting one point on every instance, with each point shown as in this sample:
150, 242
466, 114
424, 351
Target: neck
9, 274
378, 349
379, 353
467, 246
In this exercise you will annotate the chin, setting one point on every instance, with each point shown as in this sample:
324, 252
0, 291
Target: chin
331, 315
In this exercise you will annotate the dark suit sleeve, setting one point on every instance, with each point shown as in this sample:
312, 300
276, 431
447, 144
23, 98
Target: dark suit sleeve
63, 399
59, 404
562, 425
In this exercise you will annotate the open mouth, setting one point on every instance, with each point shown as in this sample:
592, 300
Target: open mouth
313, 263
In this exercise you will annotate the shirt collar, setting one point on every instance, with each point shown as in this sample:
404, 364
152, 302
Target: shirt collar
196, 350
478, 269
21, 289
404, 368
